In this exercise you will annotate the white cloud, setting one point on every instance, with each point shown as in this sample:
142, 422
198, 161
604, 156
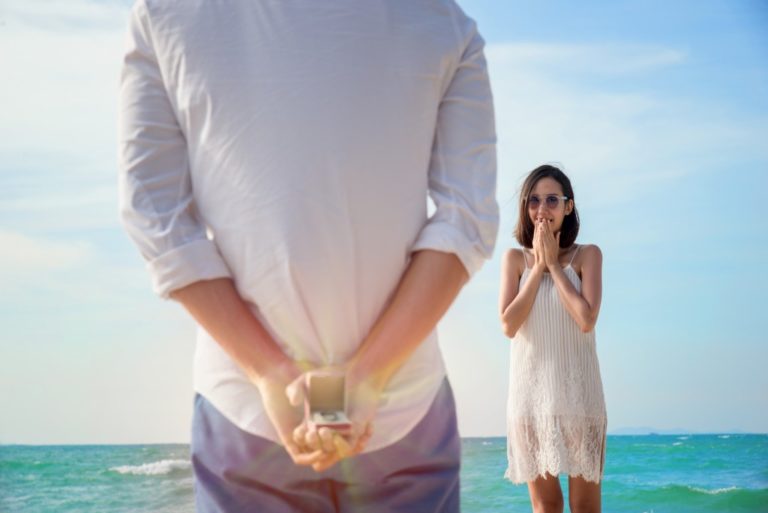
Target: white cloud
53, 15
88, 278
58, 97
614, 142
59, 87
94, 197
615, 59
23, 254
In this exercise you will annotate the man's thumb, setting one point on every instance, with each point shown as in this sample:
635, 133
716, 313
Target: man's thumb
296, 390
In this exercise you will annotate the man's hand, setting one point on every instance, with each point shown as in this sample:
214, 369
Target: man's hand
285, 417
364, 398
334, 445
362, 402
426, 290
217, 307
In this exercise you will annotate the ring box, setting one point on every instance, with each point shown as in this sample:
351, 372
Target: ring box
325, 404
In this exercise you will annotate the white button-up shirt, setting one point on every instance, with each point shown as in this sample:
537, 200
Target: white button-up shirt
291, 146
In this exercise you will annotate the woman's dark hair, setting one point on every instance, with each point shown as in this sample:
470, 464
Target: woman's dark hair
525, 228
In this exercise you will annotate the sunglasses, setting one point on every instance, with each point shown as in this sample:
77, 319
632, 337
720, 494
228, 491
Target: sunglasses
551, 201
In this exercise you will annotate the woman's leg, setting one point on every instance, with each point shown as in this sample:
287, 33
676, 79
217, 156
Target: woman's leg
546, 495
583, 496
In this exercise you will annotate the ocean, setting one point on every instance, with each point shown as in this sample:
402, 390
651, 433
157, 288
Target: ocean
651, 474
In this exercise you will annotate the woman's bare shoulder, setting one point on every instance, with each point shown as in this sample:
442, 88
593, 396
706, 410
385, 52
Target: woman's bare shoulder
514, 261
592, 250
588, 253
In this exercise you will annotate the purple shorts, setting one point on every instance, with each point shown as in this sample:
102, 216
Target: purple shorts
236, 471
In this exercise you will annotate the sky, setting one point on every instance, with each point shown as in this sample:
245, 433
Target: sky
657, 111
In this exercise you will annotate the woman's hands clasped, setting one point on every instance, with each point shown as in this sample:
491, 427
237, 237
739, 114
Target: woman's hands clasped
546, 246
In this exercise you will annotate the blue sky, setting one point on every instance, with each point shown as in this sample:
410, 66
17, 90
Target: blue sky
657, 111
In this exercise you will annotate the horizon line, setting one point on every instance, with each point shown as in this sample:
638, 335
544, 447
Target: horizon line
681, 433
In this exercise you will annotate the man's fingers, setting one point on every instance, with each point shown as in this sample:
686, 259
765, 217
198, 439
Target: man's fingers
327, 437
301, 454
300, 436
325, 463
313, 440
343, 449
308, 458
362, 440
368, 433
304, 458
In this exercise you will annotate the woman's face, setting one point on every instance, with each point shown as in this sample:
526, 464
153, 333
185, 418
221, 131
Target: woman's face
545, 202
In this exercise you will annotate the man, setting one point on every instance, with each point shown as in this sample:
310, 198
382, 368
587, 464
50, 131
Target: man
275, 160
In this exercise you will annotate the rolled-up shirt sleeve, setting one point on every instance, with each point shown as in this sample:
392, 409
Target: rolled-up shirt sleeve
462, 173
156, 199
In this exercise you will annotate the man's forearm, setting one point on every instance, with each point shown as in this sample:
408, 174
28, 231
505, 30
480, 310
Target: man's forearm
217, 307
428, 287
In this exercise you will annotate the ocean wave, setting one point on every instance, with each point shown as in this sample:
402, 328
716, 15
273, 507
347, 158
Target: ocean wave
724, 436
686, 497
713, 492
155, 468
677, 443
683, 437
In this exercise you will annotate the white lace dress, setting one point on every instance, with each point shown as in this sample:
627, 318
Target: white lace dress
556, 419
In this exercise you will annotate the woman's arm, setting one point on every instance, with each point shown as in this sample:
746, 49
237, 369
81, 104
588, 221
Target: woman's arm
584, 307
514, 303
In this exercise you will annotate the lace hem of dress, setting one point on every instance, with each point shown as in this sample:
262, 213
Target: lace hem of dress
556, 445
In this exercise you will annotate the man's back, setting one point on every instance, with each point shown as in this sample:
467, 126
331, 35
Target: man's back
304, 136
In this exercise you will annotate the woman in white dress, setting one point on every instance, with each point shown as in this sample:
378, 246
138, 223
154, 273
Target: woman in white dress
550, 299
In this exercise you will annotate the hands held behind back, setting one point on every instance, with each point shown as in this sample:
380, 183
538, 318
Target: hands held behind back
546, 245
284, 415
324, 447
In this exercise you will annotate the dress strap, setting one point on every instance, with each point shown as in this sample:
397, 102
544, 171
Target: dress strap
578, 247
525, 259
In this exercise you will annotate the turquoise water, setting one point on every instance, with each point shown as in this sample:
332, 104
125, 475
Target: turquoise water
670, 473
653, 474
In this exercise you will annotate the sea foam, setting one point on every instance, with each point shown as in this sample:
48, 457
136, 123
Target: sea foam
714, 492
155, 468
